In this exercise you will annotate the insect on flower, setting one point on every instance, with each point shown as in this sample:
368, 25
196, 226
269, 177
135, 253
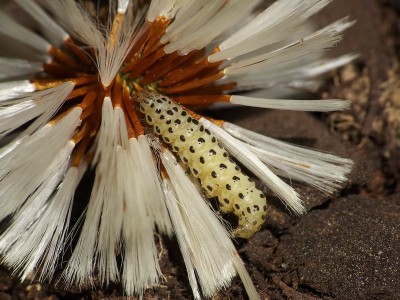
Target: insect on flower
119, 95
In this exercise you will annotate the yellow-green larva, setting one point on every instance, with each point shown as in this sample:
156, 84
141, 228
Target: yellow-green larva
207, 160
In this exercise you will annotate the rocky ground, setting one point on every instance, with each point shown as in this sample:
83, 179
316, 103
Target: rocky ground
348, 245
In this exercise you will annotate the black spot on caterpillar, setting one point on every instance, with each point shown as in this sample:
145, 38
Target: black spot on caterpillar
207, 160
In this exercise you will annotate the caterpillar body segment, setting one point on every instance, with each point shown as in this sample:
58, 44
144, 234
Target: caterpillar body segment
207, 160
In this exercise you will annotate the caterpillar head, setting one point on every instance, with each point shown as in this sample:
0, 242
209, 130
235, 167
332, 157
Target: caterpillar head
144, 95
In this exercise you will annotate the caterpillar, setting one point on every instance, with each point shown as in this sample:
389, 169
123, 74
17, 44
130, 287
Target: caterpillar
206, 159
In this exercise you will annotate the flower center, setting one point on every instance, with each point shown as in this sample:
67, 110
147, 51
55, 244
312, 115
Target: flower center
188, 79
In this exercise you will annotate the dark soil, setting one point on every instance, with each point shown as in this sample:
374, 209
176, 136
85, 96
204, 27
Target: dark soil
348, 245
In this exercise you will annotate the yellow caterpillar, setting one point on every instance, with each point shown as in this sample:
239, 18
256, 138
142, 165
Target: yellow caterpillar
207, 160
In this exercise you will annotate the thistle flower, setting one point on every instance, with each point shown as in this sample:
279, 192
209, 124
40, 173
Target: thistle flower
119, 96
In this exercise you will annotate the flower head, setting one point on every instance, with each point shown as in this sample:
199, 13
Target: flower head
119, 95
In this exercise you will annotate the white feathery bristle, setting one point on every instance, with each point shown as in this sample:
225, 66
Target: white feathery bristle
325, 65
110, 51
77, 22
123, 6
277, 23
184, 26
285, 192
61, 202
112, 54
166, 9
182, 234
151, 185
33, 208
38, 151
306, 85
101, 229
209, 255
285, 56
38, 106
298, 75
36, 237
298, 105
187, 9
141, 269
278, 91
111, 46
203, 14
293, 62
51, 30
211, 20
13, 89
14, 30
13, 144
15, 49
245, 278
107, 190
11, 68
324, 171
124, 209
